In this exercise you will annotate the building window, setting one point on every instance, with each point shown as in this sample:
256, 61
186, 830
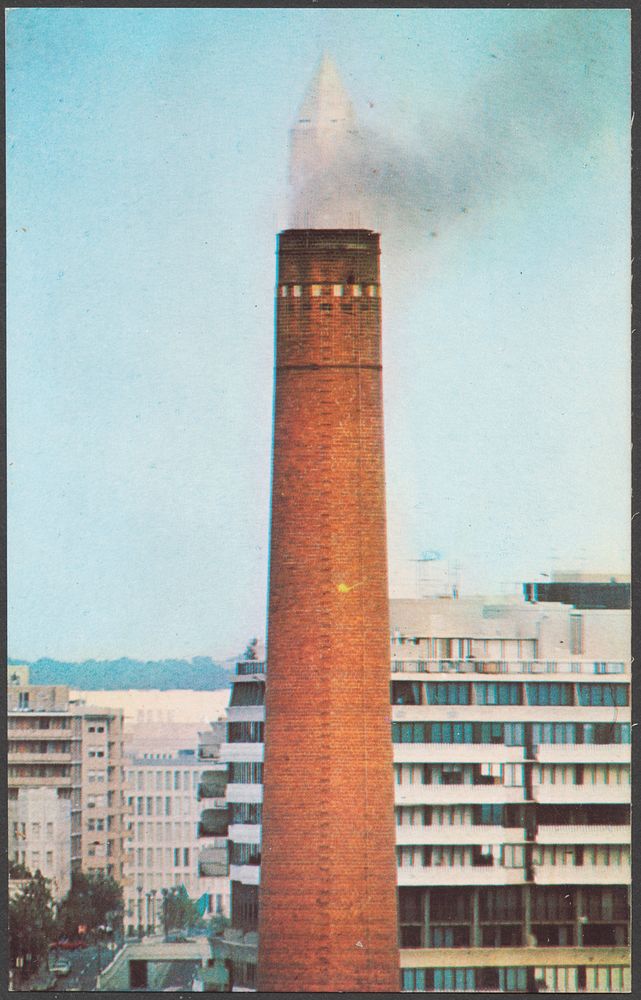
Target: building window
598, 695
576, 635
549, 694
452, 774
498, 693
246, 773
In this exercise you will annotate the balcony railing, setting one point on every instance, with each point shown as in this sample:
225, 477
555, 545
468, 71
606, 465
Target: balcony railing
245, 667
213, 830
507, 667
213, 791
213, 868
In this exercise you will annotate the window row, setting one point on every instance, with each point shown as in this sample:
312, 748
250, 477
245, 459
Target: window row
244, 854
459, 980
32, 859
246, 812
509, 775
164, 805
43, 723
505, 904
39, 771
150, 780
175, 857
247, 694
164, 831
511, 733
461, 856
601, 855
39, 746
36, 830
508, 693
335, 290
246, 732
540, 979
246, 773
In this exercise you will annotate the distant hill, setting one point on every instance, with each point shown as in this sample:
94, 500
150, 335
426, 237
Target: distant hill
199, 674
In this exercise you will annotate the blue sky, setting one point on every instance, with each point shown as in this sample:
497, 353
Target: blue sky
147, 178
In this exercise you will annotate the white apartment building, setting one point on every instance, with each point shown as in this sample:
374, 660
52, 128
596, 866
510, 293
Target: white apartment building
511, 733
40, 835
164, 838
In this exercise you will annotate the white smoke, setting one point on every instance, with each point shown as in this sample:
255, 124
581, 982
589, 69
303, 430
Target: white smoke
546, 91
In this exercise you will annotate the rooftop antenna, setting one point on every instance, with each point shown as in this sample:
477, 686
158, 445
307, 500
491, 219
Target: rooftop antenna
422, 572
454, 578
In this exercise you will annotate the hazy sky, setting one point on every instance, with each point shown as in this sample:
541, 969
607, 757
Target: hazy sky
147, 178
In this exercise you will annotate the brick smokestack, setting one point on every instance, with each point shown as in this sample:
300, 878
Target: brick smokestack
328, 876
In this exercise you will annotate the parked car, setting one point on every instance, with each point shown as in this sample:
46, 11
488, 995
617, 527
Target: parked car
60, 967
69, 944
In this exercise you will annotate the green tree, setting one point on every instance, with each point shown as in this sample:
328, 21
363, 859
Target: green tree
250, 650
180, 911
217, 925
91, 902
18, 870
31, 923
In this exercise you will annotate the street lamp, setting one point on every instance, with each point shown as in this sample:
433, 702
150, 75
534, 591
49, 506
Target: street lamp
99, 942
153, 911
139, 891
165, 894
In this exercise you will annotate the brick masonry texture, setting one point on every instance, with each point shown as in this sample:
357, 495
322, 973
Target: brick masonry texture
328, 876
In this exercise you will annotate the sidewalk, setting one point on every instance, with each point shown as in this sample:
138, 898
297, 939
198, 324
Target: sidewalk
40, 981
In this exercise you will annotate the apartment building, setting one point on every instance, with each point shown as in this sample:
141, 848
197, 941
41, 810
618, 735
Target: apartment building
65, 780
511, 733
103, 797
44, 770
164, 798
39, 834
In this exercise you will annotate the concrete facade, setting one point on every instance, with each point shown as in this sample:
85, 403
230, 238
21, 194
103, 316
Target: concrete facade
44, 752
39, 828
512, 790
165, 843
73, 752
103, 797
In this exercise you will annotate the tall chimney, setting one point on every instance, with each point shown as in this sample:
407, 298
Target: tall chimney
328, 874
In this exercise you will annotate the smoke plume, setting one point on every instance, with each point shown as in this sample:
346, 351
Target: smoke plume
542, 97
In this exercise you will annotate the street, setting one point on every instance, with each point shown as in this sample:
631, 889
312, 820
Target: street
84, 967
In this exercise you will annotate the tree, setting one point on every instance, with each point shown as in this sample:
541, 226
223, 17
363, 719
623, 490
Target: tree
31, 923
92, 897
180, 911
217, 925
18, 870
250, 650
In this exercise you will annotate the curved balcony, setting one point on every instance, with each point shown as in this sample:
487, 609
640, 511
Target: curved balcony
212, 785
214, 823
